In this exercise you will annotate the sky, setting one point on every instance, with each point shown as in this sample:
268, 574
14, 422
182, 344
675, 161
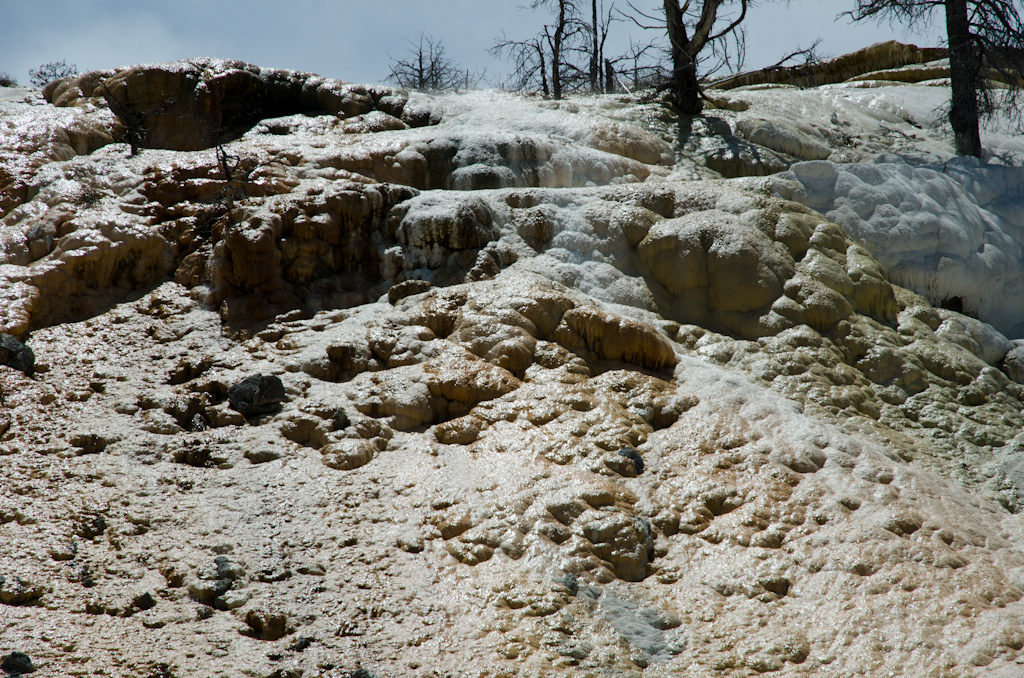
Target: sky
354, 40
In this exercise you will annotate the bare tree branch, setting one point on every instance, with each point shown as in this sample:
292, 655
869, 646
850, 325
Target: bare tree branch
426, 67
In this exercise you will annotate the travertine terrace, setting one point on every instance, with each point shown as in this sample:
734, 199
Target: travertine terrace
332, 378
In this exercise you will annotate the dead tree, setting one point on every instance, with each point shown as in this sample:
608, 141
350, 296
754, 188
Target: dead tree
982, 35
133, 121
567, 26
692, 27
600, 23
426, 68
549, 49
528, 60
640, 66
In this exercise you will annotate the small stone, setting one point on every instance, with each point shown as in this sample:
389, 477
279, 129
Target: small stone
144, 601
301, 644
228, 569
17, 663
233, 600
257, 394
17, 355
90, 443
340, 421
626, 462
266, 624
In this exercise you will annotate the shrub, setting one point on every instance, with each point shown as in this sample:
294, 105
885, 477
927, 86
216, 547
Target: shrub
48, 72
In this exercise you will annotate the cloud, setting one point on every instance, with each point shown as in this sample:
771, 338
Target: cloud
348, 39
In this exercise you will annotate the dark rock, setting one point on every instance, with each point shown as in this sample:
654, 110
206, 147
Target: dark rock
90, 526
162, 670
144, 601
257, 394
626, 462
634, 456
228, 569
340, 421
17, 663
362, 673
17, 355
301, 644
91, 443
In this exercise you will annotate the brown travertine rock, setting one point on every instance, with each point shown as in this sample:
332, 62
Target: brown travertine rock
877, 57
198, 103
614, 338
468, 382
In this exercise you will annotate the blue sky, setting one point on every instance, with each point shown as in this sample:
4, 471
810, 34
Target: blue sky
352, 39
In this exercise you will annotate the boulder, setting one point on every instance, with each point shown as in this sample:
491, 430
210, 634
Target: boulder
257, 394
17, 355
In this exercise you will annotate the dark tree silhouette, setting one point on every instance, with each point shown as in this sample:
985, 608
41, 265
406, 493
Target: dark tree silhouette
548, 51
685, 45
985, 40
50, 71
567, 26
529, 62
600, 22
7, 80
692, 27
425, 67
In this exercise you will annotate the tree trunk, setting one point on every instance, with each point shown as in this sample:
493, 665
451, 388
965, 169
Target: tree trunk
543, 70
556, 52
421, 72
964, 72
595, 61
685, 90
609, 77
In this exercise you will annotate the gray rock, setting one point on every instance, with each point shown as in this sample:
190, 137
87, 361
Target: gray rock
257, 394
17, 355
17, 663
1013, 364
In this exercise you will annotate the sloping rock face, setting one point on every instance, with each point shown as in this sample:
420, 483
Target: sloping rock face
198, 103
485, 387
950, 231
